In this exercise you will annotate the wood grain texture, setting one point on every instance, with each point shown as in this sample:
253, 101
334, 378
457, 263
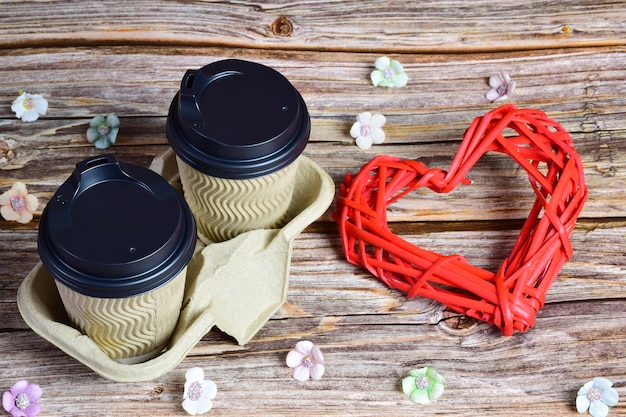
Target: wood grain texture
370, 25
567, 58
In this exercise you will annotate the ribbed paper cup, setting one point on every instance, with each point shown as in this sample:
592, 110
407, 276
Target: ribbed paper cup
117, 238
237, 128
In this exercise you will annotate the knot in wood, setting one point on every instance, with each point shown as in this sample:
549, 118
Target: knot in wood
282, 26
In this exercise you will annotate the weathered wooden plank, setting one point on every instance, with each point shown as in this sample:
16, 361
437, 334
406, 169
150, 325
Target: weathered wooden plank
365, 362
582, 88
371, 25
319, 289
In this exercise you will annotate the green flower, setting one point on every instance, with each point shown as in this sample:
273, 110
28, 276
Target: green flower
388, 73
103, 131
423, 385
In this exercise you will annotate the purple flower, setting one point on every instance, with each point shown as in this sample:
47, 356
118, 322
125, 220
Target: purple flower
501, 86
21, 400
306, 360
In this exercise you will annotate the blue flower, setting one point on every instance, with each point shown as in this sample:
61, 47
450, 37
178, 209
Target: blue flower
103, 131
597, 396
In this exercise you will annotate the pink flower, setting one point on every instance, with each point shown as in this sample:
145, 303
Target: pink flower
17, 204
306, 360
21, 400
501, 86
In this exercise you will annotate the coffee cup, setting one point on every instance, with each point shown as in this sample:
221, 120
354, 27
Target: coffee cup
238, 129
117, 239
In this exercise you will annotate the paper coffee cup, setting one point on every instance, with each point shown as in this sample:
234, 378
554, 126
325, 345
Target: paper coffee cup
237, 128
117, 238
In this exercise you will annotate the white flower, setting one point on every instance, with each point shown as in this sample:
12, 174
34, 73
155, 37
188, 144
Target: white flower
306, 360
597, 396
198, 392
501, 86
368, 129
29, 107
388, 73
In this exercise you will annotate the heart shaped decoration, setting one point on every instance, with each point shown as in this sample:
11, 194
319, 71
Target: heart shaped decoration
511, 297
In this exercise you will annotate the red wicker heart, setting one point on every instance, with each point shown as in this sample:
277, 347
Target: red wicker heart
511, 297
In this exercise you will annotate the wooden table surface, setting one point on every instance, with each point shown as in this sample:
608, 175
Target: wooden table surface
568, 59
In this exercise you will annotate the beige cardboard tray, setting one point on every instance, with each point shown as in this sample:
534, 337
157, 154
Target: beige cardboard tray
236, 285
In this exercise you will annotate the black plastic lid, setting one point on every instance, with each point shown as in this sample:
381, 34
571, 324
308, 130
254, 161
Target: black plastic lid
237, 119
115, 230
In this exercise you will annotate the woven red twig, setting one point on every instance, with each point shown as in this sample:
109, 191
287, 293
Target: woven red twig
511, 297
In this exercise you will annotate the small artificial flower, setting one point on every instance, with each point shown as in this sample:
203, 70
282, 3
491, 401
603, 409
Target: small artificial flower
103, 131
198, 392
368, 129
388, 73
423, 385
306, 360
29, 107
17, 205
597, 396
21, 400
501, 86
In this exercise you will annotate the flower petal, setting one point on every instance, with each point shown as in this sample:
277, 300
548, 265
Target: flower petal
113, 134
408, 384
31, 203
598, 409
511, 87
102, 143
418, 372
583, 390
294, 358
401, 80
377, 120
364, 142
113, 120
492, 95
32, 410
433, 375
24, 217
20, 188
602, 383
92, 134
378, 136
97, 121
34, 392
364, 118
195, 374
8, 401
495, 81
355, 130
30, 116
41, 105
420, 396
376, 76
19, 387
203, 405
209, 390
317, 355
9, 214
190, 406
317, 371
582, 403
301, 373
304, 347
610, 397
382, 63
436, 391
